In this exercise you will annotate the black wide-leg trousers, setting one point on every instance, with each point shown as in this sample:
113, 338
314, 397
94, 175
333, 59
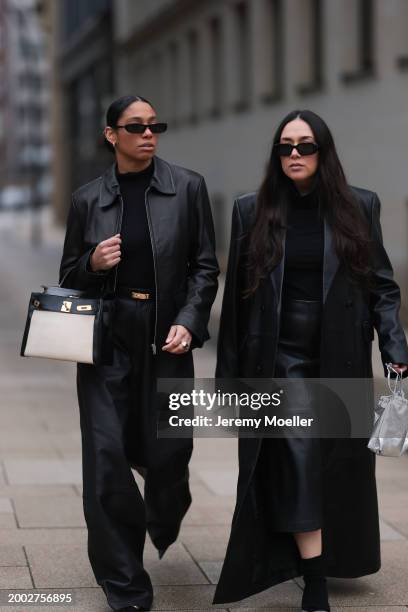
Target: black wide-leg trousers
119, 429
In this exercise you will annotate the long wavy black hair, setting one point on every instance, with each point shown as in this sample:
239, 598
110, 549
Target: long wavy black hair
336, 201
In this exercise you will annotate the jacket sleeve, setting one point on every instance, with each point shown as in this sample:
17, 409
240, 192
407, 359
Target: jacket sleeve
203, 271
385, 298
75, 270
227, 346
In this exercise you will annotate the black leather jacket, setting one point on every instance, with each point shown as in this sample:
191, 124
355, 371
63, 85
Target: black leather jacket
182, 237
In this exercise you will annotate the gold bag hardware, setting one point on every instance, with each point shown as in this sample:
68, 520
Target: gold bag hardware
84, 307
66, 306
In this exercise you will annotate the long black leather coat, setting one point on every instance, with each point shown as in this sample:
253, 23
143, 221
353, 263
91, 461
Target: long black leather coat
257, 558
182, 236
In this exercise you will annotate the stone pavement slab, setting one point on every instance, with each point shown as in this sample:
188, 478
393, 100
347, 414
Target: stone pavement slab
397, 517
60, 565
50, 511
200, 514
21, 443
395, 497
16, 577
177, 567
387, 532
43, 537
12, 554
14, 417
212, 570
205, 544
65, 565
68, 443
387, 587
7, 521
43, 471
16, 490
183, 598
221, 481
5, 505
392, 467
287, 594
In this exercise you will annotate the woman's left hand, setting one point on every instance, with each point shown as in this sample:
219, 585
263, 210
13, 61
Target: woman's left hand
399, 367
178, 340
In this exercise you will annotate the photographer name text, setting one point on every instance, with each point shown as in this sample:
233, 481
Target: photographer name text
252, 422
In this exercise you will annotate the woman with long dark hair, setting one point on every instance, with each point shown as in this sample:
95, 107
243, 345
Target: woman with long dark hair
308, 280
142, 235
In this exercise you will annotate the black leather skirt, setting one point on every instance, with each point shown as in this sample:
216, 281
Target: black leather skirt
291, 467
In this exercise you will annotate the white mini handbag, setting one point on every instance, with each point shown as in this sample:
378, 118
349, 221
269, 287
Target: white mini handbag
390, 433
67, 324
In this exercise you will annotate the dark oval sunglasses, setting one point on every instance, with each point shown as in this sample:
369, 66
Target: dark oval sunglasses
140, 128
284, 149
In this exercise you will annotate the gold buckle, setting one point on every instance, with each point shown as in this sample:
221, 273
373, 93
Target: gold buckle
81, 307
139, 296
66, 306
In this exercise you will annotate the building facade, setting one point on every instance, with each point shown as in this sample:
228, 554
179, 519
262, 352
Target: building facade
24, 100
224, 72
82, 69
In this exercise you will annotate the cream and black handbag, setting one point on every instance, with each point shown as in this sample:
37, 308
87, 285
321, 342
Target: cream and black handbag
390, 433
68, 324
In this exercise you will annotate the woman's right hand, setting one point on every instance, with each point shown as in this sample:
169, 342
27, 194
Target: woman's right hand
107, 254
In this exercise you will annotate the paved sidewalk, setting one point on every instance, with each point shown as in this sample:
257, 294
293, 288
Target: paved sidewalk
42, 530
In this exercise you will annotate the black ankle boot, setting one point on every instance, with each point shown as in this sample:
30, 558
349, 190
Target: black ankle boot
315, 597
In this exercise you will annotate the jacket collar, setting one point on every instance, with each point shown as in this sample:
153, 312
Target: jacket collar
162, 180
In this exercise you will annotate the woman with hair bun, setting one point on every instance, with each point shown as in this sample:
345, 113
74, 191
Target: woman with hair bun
142, 233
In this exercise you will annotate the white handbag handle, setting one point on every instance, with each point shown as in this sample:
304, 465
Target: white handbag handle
395, 389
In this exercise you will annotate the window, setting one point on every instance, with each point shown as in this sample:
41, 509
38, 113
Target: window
174, 89
30, 80
402, 62
193, 76
217, 80
359, 42
157, 82
366, 35
243, 55
75, 12
272, 50
400, 29
309, 76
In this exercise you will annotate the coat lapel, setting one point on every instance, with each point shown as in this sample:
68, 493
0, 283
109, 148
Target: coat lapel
276, 276
331, 264
330, 260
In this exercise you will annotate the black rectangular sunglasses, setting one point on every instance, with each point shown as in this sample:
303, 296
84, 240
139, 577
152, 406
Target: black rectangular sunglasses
140, 128
284, 149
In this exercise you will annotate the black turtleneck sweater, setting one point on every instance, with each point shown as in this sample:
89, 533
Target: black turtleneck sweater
136, 268
304, 248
